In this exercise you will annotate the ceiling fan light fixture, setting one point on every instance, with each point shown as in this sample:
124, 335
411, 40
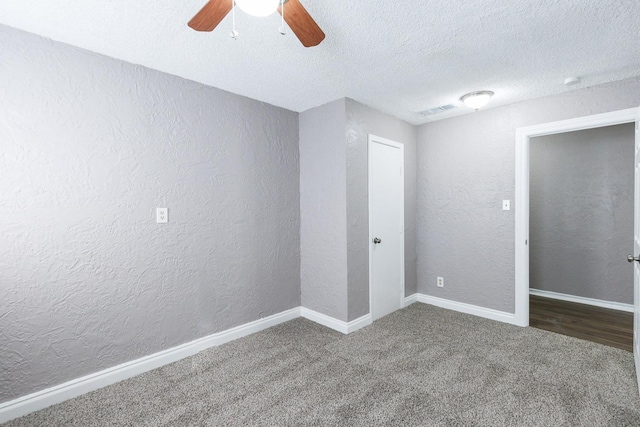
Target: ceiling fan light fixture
477, 100
258, 7
296, 17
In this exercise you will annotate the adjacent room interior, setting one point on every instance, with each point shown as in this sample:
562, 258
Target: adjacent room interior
580, 231
285, 227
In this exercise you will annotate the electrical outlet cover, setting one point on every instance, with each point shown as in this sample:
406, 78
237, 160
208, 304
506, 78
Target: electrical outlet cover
162, 215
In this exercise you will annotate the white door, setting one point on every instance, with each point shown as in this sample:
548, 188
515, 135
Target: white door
636, 251
386, 226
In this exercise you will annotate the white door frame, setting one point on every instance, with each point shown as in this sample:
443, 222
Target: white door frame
523, 136
379, 140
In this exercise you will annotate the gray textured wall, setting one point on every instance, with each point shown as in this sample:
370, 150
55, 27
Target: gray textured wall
581, 213
323, 201
334, 205
89, 146
362, 121
466, 166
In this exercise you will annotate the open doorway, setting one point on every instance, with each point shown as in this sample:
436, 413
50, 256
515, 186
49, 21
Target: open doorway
523, 137
581, 196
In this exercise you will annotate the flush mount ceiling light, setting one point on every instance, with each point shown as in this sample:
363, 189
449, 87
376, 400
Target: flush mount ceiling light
477, 100
258, 7
571, 81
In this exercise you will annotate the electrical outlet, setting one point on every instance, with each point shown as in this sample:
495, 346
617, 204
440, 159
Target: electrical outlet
162, 215
440, 282
506, 205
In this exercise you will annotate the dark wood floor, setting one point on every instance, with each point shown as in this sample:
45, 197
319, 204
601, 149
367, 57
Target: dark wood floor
609, 327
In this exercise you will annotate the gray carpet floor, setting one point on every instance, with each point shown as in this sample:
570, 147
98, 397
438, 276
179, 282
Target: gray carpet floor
422, 366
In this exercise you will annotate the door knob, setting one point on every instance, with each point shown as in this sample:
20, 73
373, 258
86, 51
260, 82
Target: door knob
376, 240
631, 258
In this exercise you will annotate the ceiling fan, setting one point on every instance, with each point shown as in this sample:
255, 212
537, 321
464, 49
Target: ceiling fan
294, 14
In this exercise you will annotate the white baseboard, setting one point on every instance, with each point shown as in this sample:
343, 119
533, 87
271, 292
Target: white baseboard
583, 300
410, 299
359, 323
57, 394
335, 324
50, 396
636, 359
462, 307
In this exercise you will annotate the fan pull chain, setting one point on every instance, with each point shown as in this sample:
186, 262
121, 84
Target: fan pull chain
283, 31
234, 33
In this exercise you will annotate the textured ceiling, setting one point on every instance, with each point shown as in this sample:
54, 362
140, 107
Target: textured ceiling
399, 57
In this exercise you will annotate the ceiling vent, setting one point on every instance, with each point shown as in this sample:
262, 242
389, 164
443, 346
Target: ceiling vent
437, 110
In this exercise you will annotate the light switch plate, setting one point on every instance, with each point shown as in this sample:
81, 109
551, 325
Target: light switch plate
506, 205
162, 215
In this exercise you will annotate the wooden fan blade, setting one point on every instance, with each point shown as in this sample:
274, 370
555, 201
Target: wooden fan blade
301, 23
211, 15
